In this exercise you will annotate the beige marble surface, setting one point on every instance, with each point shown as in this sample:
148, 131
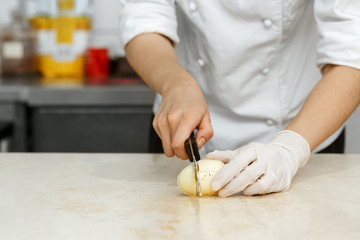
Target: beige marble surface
135, 196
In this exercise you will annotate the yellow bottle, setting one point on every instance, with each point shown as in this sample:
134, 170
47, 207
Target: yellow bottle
62, 42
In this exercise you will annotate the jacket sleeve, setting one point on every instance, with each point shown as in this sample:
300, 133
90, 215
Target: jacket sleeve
145, 16
339, 29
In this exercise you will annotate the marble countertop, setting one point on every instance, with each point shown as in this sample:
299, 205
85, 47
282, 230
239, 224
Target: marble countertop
135, 196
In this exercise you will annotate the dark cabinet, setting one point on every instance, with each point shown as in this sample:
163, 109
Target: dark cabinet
90, 129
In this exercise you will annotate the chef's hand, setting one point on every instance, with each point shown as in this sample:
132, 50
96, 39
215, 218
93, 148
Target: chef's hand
261, 168
182, 109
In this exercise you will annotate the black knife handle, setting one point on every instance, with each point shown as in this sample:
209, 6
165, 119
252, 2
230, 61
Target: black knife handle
195, 149
188, 150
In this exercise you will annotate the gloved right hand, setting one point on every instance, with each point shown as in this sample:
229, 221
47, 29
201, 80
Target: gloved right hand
182, 109
261, 168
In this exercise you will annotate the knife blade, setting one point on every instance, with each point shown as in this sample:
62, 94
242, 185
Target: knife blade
194, 156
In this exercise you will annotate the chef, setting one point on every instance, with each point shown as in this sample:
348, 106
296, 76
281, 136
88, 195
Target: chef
264, 82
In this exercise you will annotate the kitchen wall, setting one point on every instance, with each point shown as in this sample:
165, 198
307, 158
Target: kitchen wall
5, 9
106, 15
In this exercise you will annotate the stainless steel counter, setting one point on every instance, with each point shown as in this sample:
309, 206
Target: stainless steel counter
135, 196
103, 95
34, 94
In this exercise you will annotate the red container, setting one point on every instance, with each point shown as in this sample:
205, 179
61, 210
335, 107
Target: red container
97, 66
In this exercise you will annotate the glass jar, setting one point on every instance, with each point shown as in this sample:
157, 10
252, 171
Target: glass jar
17, 48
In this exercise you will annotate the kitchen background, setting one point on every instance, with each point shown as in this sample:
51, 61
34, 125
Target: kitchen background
127, 103
105, 16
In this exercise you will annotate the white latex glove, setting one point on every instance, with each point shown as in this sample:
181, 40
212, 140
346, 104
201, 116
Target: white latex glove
261, 168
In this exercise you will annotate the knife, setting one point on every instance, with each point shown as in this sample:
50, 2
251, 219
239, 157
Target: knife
194, 156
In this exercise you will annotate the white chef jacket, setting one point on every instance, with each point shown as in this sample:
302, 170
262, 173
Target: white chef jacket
255, 61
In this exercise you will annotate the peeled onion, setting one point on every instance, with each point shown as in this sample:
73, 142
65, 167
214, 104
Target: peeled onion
207, 169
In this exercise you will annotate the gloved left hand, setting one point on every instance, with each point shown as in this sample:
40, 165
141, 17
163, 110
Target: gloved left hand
261, 168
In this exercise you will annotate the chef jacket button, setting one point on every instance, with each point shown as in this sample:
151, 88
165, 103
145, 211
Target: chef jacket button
265, 71
201, 62
267, 23
192, 6
270, 122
